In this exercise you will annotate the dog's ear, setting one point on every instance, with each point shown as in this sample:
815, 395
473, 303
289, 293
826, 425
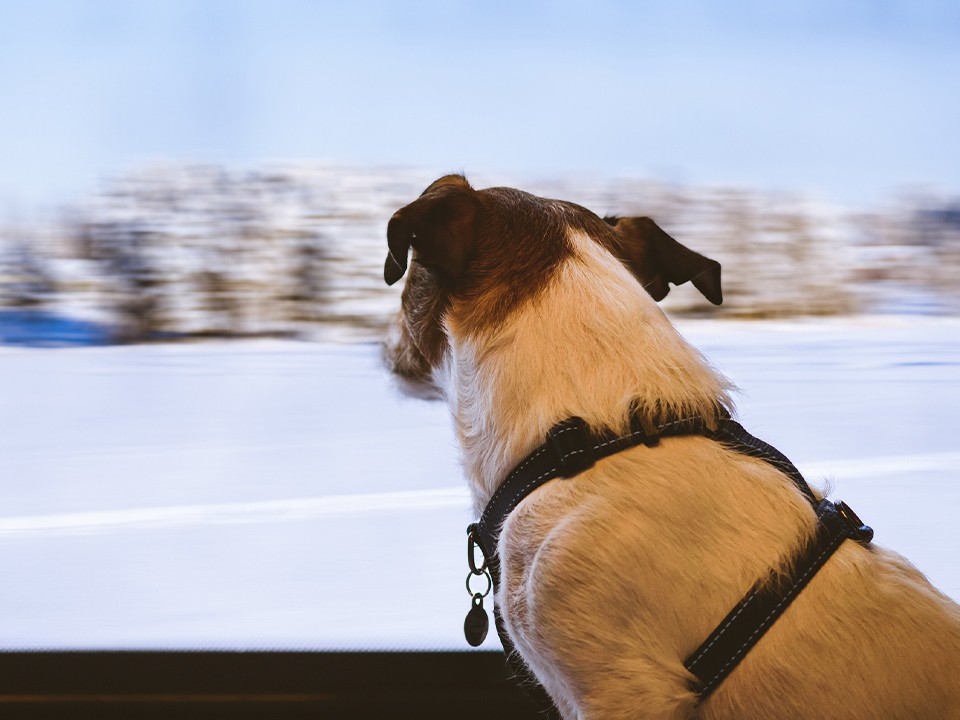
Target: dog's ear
657, 259
440, 226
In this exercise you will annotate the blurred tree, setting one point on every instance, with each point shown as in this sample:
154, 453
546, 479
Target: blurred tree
134, 283
25, 280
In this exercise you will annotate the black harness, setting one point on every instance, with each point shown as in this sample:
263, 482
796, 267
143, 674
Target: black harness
571, 448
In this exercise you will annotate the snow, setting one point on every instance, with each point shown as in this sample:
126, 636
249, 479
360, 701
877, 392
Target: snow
281, 494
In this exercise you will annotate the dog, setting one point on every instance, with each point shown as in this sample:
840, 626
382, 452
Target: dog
521, 311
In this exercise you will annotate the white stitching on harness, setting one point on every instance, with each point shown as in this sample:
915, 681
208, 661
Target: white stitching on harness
543, 449
722, 630
762, 627
526, 462
541, 477
642, 433
534, 482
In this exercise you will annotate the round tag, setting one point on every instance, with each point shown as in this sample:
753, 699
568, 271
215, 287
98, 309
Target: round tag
477, 623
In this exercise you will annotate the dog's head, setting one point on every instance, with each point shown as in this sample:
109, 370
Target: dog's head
484, 252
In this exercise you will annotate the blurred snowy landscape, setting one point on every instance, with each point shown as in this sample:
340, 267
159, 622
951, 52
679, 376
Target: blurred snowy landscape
270, 493
296, 250
198, 445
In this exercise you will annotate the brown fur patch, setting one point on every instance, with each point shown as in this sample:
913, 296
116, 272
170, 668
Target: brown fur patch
479, 254
510, 248
520, 243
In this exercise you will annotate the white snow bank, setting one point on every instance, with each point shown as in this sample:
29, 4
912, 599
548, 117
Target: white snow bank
277, 494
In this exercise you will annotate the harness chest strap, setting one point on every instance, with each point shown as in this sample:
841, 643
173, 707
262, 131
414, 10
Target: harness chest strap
571, 448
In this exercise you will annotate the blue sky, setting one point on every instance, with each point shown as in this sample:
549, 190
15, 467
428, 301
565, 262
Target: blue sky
849, 100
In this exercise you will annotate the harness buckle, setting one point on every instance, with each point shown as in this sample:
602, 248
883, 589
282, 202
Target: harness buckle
572, 445
856, 530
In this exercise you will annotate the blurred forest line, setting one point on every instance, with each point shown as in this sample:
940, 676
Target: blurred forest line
173, 251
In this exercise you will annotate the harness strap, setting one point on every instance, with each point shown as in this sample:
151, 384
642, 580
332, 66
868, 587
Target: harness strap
733, 435
572, 448
750, 618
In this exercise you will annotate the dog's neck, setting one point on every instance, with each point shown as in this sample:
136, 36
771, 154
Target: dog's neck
592, 344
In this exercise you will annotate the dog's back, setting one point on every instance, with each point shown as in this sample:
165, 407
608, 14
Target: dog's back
615, 576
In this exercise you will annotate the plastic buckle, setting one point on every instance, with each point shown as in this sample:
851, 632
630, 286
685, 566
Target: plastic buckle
863, 534
572, 444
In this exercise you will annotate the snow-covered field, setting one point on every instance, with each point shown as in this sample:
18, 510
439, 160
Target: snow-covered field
280, 494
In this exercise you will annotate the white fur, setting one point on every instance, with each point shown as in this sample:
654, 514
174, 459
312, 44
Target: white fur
568, 352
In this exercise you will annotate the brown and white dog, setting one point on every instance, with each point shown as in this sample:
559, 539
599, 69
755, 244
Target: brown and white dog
522, 311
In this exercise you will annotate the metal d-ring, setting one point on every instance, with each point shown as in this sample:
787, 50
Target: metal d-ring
472, 544
470, 591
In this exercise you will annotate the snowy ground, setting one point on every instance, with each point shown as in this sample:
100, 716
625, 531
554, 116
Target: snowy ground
271, 494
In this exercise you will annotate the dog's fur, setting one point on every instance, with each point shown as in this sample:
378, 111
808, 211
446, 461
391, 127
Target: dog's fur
522, 311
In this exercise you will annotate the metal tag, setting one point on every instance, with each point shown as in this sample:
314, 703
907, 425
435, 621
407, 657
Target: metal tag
477, 623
